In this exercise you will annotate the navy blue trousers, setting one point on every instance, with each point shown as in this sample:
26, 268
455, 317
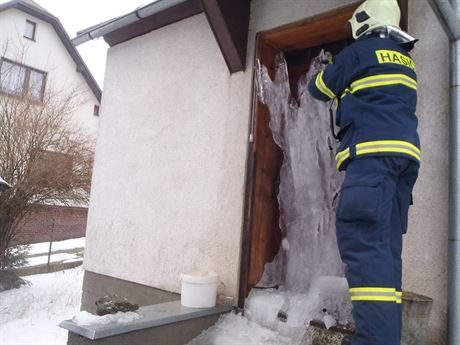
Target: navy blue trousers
371, 220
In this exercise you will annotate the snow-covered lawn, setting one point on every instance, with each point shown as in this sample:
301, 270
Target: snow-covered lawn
43, 248
31, 314
38, 252
60, 257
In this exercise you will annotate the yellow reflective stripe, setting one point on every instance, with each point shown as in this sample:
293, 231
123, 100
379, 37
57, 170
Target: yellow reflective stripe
319, 82
381, 80
372, 289
378, 294
342, 156
383, 83
387, 149
380, 146
347, 90
342, 153
389, 142
374, 298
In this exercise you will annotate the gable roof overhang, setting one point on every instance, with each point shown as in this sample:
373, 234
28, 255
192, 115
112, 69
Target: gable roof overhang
229, 21
39, 12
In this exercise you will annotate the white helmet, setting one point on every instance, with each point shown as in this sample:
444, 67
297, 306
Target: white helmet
373, 14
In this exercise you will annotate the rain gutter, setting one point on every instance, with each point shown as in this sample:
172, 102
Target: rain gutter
119, 22
448, 14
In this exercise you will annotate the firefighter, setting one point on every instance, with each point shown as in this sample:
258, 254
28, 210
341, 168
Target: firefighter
374, 83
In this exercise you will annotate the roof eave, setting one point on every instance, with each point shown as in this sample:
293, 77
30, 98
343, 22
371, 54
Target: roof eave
141, 21
229, 22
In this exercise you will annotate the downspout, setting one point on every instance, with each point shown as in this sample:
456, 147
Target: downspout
448, 14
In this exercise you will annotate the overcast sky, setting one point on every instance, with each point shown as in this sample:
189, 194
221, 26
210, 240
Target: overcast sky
76, 15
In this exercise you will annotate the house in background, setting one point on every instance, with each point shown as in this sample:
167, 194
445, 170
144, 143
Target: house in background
185, 162
36, 49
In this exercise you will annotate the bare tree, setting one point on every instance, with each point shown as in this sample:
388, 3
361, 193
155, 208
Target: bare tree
43, 153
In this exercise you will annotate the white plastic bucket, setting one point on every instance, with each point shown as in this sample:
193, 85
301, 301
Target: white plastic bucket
199, 289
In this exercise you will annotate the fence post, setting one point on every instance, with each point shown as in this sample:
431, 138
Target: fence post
51, 243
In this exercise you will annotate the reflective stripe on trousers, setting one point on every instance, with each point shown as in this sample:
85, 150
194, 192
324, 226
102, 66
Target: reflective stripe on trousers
371, 219
377, 294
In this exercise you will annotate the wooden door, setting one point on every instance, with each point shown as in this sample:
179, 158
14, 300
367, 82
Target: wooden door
300, 42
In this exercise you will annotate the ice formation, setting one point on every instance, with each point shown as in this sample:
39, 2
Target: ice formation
309, 181
307, 267
234, 329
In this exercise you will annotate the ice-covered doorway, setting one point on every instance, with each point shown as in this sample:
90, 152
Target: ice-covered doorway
305, 279
290, 268
299, 42
294, 269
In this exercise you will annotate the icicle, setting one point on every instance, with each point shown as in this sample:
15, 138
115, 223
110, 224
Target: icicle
309, 185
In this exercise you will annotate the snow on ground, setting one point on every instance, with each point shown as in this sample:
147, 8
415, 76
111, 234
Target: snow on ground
38, 253
64, 257
234, 329
84, 318
43, 248
31, 314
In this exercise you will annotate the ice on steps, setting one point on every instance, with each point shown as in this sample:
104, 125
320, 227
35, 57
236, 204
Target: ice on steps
234, 329
326, 293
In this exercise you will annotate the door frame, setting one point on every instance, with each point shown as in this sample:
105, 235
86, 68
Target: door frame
317, 30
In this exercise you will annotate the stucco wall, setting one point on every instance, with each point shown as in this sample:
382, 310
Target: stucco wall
168, 183
47, 54
169, 171
425, 252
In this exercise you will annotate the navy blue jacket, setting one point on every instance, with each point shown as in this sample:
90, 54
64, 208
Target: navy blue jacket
374, 80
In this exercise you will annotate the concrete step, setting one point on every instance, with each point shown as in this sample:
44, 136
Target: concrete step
165, 323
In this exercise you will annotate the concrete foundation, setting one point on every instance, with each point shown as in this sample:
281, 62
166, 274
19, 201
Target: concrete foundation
97, 285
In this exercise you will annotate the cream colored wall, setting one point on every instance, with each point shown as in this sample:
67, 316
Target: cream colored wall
48, 54
425, 252
170, 160
169, 176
